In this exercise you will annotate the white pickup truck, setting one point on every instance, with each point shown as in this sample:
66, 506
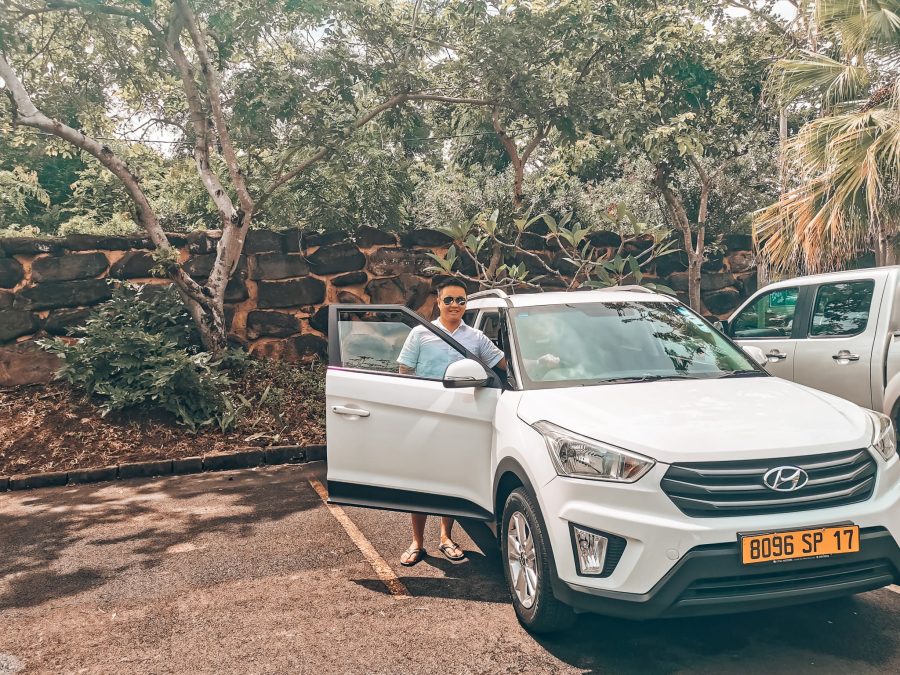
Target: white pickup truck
837, 332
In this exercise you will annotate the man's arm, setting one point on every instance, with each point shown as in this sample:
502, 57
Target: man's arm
409, 354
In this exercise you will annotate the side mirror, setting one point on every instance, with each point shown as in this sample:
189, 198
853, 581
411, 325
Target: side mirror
722, 326
465, 373
756, 354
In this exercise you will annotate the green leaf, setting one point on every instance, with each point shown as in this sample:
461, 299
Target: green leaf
661, 288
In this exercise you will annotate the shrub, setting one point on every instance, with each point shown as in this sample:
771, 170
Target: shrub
141, 348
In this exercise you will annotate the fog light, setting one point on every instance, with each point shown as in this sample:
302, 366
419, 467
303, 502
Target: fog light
590, 550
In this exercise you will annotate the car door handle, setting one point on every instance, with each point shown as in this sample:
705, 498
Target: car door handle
844, 356
776, 355
352, 412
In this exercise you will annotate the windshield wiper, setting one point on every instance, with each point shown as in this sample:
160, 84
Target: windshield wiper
741, 373
642, 378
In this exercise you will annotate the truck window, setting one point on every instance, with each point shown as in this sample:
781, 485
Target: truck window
842, 310
770, 316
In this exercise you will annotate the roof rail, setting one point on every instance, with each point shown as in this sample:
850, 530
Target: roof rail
495, 292
630, 287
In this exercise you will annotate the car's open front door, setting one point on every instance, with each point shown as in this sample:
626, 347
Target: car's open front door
402, 442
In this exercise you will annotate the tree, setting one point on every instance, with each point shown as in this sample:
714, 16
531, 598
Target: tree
17, 187
688, 99
262, 91
846, 160
672, 87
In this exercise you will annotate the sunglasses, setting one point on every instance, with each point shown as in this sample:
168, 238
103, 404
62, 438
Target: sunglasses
461, 301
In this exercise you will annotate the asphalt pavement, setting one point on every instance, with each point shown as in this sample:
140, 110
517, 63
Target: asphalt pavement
249, 572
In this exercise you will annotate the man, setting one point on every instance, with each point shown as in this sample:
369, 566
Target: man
424, 354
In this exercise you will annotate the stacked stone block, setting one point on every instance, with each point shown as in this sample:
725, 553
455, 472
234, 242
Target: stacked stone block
277, 300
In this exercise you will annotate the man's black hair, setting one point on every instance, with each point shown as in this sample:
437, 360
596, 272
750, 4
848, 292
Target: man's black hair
449, 282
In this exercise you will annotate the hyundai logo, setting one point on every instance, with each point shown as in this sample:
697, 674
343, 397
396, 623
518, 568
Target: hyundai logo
785, 478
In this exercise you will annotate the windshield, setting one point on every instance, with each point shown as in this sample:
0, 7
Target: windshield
605, 342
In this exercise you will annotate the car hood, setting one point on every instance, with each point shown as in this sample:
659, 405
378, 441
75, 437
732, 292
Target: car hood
702, 420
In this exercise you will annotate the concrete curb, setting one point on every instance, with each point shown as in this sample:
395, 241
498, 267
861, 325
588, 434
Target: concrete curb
243, 459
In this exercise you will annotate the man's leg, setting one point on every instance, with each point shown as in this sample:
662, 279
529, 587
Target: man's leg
413, 554
448, 547
418, 527
446, 529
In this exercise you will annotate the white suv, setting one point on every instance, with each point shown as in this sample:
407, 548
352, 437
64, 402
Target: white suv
647, 467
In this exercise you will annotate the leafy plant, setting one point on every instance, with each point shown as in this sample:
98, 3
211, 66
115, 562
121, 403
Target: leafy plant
594, 266
281, 394
844, 195
16, 188
141, 348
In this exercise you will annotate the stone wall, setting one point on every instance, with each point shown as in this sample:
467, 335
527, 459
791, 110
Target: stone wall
277, 300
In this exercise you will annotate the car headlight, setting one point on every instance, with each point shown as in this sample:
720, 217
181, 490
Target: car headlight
580, 457
884, 440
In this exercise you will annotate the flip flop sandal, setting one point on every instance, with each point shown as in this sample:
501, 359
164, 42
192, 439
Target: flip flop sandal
447, 548
416, 553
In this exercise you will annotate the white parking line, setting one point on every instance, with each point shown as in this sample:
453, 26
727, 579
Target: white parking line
896, 589
382, 569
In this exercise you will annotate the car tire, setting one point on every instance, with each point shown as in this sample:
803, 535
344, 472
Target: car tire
527, 568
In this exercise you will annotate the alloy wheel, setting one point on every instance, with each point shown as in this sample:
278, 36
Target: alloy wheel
521, 558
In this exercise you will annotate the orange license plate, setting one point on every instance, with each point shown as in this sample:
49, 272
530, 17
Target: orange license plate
792, 545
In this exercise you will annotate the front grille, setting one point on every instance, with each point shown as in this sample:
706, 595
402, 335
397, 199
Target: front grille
874, 573
717, 489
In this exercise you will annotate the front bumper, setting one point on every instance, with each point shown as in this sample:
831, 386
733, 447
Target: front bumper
710, 579
676, 565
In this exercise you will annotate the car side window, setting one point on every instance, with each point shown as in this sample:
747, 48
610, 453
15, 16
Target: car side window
490, 326
842, 309
770, 316
373, 341
469, 317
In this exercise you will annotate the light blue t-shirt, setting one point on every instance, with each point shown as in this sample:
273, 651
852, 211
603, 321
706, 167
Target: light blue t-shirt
429, 355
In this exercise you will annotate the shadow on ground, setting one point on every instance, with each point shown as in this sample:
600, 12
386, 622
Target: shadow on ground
38, 529
847, 629
478, 577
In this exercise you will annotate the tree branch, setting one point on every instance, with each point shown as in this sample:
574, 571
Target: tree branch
534, 256
234, 232
508, 143
534, 142
704, 193
60, 5
364, 119
211, 76
27, 114
208, 177
765, 17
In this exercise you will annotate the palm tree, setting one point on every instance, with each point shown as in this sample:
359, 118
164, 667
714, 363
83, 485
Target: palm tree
844, 162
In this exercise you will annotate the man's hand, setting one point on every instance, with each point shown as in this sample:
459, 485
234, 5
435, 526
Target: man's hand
549, 361
540, 366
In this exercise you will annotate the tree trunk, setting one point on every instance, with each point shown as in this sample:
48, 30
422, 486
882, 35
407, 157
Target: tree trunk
885, 253
494, 263
683, 225
518, 186
209, 317
517, 160
695, 261
762, 261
